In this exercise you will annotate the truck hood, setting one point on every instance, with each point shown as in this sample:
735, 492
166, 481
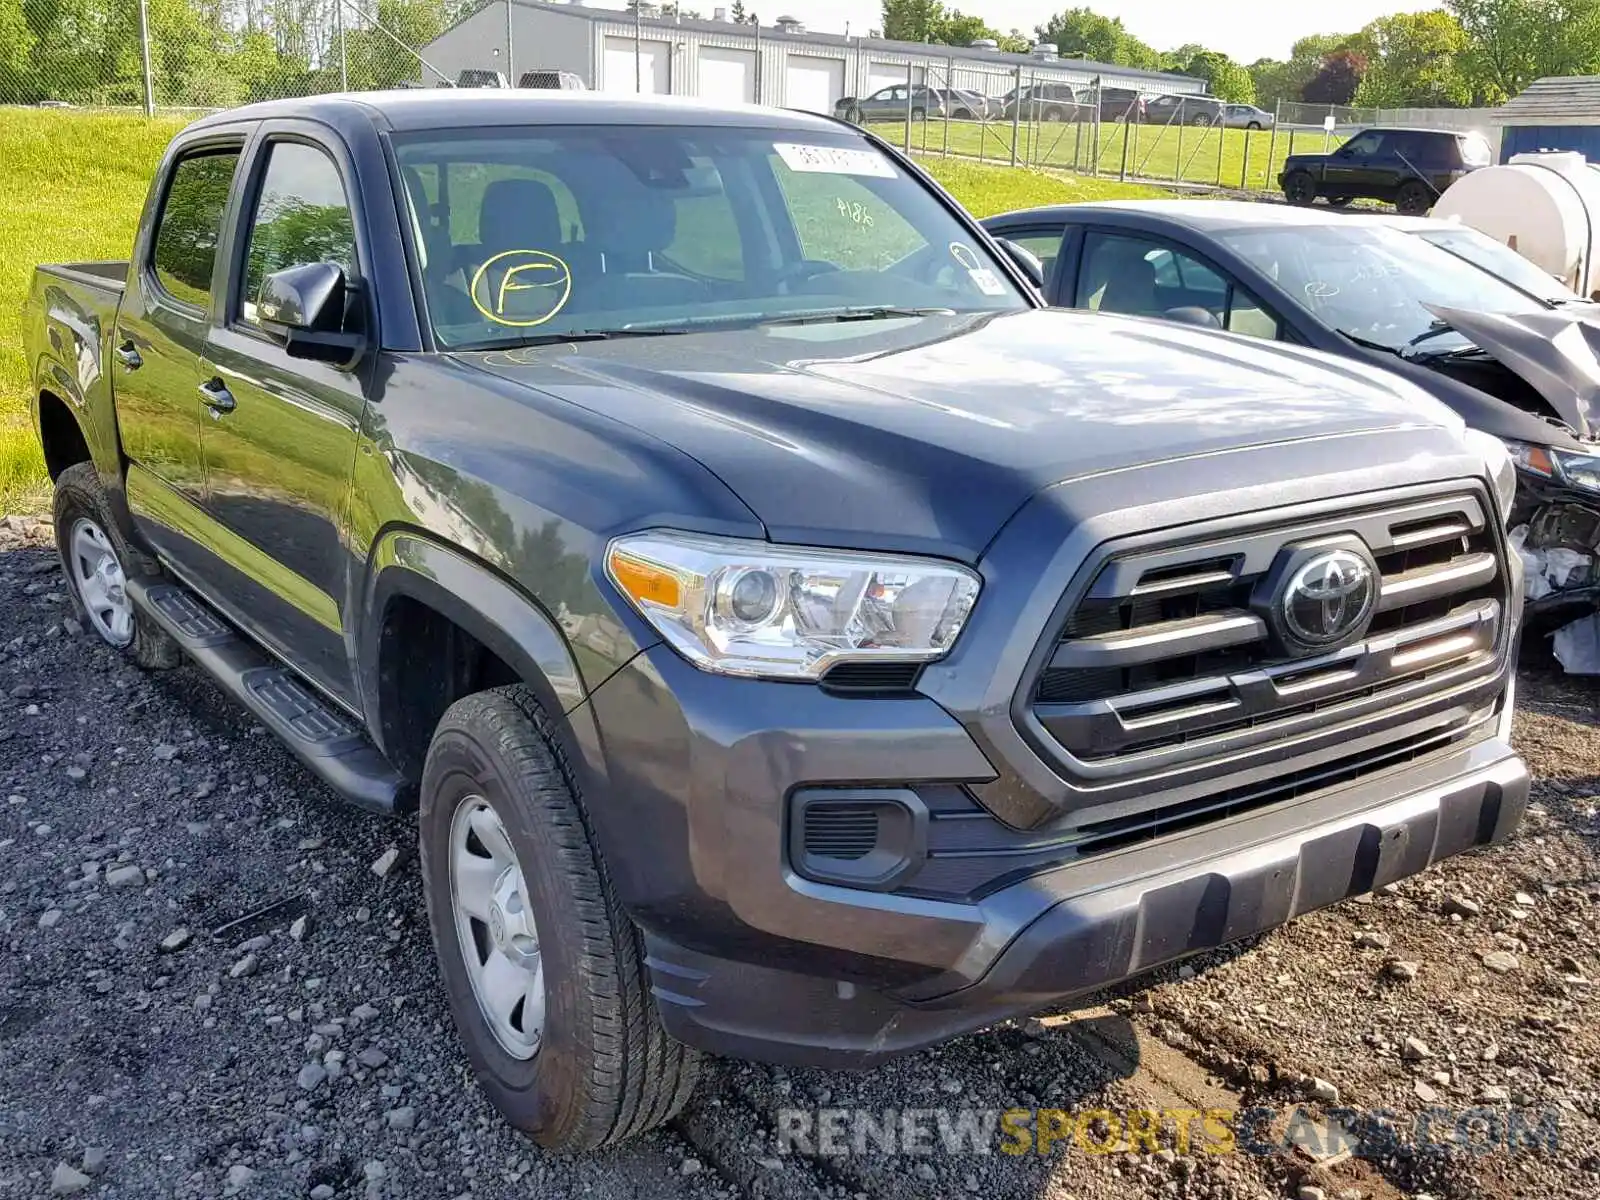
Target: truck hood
1557, 353
928, 433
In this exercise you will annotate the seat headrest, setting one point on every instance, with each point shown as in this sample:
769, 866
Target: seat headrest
519, 214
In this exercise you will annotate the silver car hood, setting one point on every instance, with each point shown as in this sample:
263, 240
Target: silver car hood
1557, 353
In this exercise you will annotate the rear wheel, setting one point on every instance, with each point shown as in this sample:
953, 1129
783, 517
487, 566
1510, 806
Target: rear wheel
1254, 125
1413, 199
1052, 114
98, 563
1200, 119
919, 114
544, 971
1300, 188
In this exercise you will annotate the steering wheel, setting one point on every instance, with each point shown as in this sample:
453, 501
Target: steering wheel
799, 272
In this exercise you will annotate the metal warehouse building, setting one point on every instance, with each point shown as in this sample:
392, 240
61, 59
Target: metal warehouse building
1558, 113
781, 65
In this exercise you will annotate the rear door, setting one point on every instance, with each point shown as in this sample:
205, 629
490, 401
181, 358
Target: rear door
279, 459
160, 333
1139, 275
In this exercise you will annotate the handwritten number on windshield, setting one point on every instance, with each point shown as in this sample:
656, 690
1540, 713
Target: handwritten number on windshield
854, 210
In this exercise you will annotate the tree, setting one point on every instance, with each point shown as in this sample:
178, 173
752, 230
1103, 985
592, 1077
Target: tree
913, 20
1336, 82
1416, 62
1084, 33
1276, 80
1511, 43
1227, 79
1015, 42
738, 13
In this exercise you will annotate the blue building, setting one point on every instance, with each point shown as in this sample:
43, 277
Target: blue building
1558, 113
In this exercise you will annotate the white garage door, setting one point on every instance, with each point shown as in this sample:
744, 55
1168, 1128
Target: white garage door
882, 75
625, 73
813, 84
727, 75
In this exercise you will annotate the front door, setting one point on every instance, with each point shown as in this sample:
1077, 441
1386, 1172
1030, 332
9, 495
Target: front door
1351, 169
279, 455
157, 343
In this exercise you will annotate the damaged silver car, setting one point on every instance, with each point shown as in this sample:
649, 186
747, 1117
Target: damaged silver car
1469, 320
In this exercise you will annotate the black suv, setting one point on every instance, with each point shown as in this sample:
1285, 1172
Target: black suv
1409, 168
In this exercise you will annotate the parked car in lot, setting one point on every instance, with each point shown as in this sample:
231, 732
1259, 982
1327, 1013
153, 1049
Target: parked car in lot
1119, 104
1409, 168
1462, 316
1247, 116
798, 642
1046, 102
1184, 110
892, 104
550, 78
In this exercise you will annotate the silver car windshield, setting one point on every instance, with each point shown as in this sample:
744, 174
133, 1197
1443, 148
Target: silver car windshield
1373, 282
534, 234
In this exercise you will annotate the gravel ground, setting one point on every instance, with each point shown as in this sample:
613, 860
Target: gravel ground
214, 983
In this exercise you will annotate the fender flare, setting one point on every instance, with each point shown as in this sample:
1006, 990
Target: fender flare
507, 621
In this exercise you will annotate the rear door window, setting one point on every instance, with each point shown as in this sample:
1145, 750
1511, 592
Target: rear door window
184, 252
1146, 278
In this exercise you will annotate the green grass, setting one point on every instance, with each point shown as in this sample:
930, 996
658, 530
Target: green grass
72, 185
1159, 152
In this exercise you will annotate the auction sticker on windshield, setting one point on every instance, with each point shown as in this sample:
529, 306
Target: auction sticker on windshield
834, 160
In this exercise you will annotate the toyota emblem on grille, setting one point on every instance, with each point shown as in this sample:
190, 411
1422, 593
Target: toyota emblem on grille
1329, 598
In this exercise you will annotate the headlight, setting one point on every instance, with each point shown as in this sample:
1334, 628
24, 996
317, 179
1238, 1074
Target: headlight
752, 608
1498, 459
1565, 466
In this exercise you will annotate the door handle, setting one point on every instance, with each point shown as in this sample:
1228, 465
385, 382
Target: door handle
128, 355
217, 396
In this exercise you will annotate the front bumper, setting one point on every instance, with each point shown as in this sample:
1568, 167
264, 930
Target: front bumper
1096, 929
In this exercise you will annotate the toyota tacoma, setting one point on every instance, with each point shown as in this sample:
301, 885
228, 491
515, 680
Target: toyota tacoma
795, 641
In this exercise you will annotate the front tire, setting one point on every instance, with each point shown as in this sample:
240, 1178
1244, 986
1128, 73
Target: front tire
1300, 189
99, 562
571, 1051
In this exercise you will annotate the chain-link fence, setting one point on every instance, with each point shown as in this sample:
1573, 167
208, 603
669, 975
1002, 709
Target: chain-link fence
189, 54
1053, 114
1025, 118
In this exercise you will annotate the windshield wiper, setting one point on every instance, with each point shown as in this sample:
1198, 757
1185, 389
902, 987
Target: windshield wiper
1368, 343
876, 312
558, 339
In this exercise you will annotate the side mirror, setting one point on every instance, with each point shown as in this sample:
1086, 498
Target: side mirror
1025, 259
306, 306
1193, 314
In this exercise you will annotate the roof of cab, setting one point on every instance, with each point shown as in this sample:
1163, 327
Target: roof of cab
455, 108
1212, 215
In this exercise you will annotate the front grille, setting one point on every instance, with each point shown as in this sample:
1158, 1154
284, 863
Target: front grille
1167, 657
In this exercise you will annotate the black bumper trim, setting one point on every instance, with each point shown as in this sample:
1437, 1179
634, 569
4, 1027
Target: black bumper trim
1087, 941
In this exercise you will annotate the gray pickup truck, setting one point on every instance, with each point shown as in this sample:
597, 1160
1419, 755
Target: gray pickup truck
797, 643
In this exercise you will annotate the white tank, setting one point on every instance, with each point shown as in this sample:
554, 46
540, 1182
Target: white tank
1546, 206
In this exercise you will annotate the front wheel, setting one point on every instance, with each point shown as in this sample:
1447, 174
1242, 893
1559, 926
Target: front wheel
1254, 125
99, 562
1300, 189
1200, 119
543, 969
919, 114
1414, 199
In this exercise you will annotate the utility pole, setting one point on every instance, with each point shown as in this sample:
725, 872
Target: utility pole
144, 53
511, 66
344, 62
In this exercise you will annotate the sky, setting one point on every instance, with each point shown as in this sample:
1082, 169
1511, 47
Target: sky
1245, 31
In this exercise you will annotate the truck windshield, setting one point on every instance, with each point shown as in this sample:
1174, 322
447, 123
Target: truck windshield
532, 235
1374, 282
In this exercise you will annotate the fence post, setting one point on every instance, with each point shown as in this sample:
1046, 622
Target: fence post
144, 54
1016, 116
949, 84
638, 45
1221, 124
1127, 130
910, 89
1272, 145
1177, 167
759, 79
344, 61
1244, 169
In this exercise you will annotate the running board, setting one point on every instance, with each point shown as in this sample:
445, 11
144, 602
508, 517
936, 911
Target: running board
330, 744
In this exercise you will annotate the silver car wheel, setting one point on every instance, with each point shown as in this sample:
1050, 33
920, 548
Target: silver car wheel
495, 928
100, 582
